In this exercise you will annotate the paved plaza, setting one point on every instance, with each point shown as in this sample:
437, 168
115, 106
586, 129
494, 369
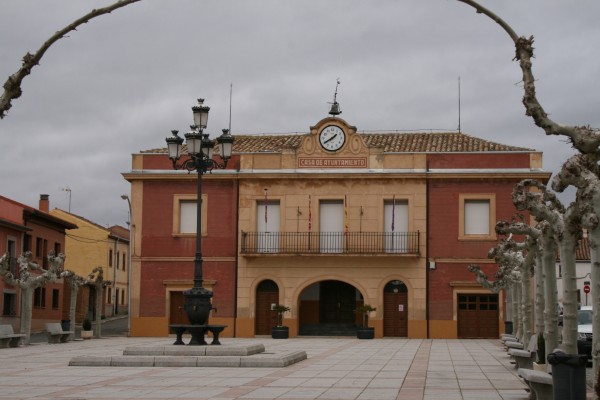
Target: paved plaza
336, 368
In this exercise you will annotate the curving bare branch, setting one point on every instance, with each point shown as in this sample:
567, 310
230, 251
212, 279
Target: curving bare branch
583, 138
12, 86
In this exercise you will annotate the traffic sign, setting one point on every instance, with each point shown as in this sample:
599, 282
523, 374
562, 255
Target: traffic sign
586, 288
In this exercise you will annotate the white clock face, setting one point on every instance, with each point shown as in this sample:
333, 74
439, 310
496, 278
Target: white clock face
332, 138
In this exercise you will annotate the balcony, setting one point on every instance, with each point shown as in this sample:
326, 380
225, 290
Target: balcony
330, 243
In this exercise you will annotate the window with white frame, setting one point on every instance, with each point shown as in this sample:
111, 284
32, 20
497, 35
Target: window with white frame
267, 226
477, 215
395, 217
185, 215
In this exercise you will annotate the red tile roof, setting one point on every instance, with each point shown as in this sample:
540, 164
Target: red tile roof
391, 142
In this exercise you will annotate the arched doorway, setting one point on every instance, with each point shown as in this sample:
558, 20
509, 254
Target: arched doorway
267, 295
327, 309
395, 309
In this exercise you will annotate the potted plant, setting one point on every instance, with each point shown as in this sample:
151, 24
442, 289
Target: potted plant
86, 332
364, 331
279, 331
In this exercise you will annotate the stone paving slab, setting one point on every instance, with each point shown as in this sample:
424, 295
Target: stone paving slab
198, 351
335, 368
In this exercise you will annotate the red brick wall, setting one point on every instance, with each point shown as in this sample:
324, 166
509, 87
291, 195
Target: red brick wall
158, 241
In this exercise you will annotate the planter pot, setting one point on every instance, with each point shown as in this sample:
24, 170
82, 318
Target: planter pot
87, 334
365, 333
280, 332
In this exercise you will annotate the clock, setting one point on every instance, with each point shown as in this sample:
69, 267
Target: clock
332, 138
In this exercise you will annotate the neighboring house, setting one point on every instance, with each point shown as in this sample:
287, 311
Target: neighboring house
324, 222
583, 273
90, 246
24, 228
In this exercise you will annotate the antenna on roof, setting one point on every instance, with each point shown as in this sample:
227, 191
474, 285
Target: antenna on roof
335, 107
230, 96
459, 103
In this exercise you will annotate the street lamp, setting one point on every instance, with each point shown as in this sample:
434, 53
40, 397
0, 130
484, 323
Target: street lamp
131, 244
197, 303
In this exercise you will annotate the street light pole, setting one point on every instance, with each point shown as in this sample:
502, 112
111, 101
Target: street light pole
131, 244
200, 159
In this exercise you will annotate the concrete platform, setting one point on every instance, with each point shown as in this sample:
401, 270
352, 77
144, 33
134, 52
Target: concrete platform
260, 360
198, 351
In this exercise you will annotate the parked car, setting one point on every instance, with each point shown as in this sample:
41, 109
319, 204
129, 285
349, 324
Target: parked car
584, 331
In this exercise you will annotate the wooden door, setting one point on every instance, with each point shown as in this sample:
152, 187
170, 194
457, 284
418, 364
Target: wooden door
267, 294
477, 316
395, 310
337, 302
177, 314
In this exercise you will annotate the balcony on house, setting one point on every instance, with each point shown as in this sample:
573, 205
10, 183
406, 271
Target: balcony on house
344, 243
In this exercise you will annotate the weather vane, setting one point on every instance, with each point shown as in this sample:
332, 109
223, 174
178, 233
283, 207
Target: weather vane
335, 107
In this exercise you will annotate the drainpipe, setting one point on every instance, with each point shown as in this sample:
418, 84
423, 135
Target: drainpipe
237, 238
427, 263
115, 263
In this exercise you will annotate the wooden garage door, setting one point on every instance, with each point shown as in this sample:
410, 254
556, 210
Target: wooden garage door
477, 316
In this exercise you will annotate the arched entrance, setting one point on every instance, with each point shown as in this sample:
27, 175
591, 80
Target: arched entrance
327, 309
267, 294
395, 309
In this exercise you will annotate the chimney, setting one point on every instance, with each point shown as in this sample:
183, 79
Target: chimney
44, 202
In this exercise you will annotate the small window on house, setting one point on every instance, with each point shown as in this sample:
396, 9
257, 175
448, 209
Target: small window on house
122, 296
124, 261
109, 296
39, 298
27, 243
57, 248
117, 261
9, 304
55, 299
477, 217
110, 257
185, 215
39, 247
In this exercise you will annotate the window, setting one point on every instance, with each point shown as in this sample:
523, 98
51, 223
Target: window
57, 248
117, 261
39, 298
185, 215
122, 296
267, 226
332, 227
55, 299
477, 217
26, 243
9, 304
110, 257
124, 260
109, 296
39, 247
395, 217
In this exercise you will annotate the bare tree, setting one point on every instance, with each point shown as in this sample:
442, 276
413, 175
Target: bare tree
12, 86
580, 171
28, 282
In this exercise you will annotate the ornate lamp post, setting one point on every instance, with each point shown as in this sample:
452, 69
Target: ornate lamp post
197, 303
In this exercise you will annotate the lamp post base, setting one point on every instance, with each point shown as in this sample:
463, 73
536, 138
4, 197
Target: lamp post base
197, 305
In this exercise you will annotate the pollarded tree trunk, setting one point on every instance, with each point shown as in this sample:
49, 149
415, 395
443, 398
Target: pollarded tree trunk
549, 276
539, 295
28, 282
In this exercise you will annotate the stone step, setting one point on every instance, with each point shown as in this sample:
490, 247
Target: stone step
194, 351
259, 360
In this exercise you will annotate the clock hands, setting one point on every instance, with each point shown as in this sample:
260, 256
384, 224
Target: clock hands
330, 139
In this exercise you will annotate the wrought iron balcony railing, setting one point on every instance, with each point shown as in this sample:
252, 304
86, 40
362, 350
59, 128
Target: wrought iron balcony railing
330, 243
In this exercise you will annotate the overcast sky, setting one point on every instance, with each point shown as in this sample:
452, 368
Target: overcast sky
121, 82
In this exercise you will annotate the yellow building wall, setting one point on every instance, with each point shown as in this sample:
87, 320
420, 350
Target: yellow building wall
364, 194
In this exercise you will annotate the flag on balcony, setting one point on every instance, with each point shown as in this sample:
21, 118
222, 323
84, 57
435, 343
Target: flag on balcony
266, 205
345, 215
393, 211
309, 214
